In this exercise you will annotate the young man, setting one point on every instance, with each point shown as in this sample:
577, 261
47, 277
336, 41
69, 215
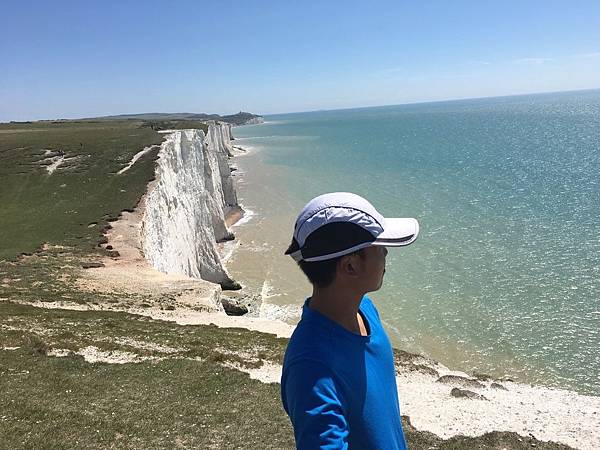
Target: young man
338, 384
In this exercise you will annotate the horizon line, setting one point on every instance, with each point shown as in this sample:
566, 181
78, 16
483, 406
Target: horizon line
444, 100
419, 102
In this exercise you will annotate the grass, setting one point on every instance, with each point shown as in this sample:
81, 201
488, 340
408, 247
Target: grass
70, 208
176, 124
51, 402
189, 396
72, 330
496, 440
68, 403
59, 207
62, 207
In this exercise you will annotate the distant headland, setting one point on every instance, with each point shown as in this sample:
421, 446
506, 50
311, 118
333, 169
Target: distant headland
240, 118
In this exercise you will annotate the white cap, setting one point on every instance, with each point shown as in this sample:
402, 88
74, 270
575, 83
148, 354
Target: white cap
339, 223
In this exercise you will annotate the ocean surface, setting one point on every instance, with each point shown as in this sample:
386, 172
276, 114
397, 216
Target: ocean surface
505, 277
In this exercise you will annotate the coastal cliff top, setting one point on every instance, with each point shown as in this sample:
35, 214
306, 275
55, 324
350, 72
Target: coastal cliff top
240, 118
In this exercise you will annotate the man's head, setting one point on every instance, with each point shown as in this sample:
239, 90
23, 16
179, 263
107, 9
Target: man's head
363, 269
341, 237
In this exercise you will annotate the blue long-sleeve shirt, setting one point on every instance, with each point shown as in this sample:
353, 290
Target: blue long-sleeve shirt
338, 387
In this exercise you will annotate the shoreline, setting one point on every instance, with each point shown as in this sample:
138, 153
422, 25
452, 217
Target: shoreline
234, 215
197, 301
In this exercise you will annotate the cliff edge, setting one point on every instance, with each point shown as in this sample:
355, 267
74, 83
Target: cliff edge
186, 208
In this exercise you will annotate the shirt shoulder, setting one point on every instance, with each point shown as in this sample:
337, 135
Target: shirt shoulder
309, 341
368, 308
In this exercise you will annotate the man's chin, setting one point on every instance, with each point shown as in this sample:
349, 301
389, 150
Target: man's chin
378, 286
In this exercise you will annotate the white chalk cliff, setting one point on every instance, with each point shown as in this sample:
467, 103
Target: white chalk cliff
254, 121
185, 210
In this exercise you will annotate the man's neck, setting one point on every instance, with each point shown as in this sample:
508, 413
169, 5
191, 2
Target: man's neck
339, 305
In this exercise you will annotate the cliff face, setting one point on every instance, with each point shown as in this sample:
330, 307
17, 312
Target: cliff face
254, 121
185, 211
218, 139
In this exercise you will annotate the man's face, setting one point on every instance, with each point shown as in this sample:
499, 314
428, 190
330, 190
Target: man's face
374, 267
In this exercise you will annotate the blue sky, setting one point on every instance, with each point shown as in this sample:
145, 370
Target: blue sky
89, 58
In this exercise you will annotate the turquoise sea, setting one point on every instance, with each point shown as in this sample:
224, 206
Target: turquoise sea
505, 277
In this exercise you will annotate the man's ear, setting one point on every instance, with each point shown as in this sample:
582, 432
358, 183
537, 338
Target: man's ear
348, 266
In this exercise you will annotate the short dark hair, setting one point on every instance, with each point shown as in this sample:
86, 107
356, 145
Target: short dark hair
322, 273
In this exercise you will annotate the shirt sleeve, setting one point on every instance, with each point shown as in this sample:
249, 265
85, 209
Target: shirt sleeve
314, 405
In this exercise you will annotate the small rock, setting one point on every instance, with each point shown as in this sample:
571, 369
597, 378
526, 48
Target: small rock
482, 376
463, 393
91, 265
113, 253
422, 368
460, 381
109, 247
233, 308
498, 386
230, 285
102, 240
227, 237
244, 297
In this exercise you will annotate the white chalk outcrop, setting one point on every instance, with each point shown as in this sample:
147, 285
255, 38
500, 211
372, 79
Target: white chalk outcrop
185, 210
255, 121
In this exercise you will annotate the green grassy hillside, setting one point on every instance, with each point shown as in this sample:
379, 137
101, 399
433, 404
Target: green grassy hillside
179, 391
71, 205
